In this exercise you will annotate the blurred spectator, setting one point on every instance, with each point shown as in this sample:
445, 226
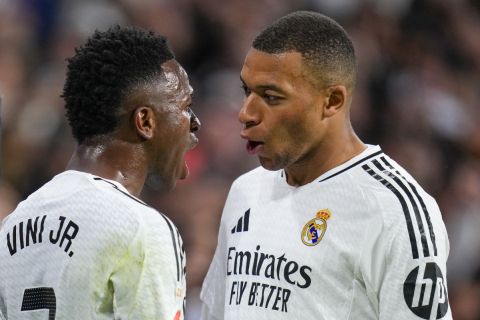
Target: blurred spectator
8, 200
464, 298
418, 96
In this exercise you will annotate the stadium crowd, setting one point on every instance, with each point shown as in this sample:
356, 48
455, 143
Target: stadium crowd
418, 96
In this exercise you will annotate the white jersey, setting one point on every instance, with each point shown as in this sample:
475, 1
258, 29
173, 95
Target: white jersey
81, 247
363, 241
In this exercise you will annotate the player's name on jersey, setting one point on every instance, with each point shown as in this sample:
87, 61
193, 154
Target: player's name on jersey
32, 231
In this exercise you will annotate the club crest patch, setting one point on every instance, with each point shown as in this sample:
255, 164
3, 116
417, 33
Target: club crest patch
314, 230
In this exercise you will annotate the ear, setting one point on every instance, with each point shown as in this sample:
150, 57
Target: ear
144, 122
336, 100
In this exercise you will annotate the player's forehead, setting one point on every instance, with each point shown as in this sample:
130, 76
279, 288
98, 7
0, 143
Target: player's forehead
170, 88
176, 78
260, 66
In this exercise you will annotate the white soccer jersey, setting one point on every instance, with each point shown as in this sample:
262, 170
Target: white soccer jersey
363, 241
81, 247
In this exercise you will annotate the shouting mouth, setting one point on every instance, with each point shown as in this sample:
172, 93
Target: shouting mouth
253, 147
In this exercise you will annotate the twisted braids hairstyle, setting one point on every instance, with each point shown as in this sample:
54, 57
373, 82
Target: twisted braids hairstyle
324, 45
104, 71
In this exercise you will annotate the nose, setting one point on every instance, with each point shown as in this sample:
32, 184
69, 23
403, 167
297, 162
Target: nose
194, 121
249, 114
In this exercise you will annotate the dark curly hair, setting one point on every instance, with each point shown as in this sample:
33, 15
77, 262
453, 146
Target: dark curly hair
325, 46
104, 70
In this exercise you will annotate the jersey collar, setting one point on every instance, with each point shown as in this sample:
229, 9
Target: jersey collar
370, 152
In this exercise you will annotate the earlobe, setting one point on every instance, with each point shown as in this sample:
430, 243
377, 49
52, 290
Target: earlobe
144, 122
336, 100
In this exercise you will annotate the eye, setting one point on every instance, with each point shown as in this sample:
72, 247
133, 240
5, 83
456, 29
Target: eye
246, 90
271, 99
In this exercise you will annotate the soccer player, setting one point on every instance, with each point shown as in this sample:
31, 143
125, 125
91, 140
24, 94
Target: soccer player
84, 246
328, 227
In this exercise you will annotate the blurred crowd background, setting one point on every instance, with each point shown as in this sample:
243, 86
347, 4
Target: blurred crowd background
418, 96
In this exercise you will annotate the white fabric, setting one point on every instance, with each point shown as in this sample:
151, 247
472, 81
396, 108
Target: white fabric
358, 270
119, 258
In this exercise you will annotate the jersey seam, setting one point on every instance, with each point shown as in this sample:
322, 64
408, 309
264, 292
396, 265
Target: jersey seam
388, 259
121, 191
353, 165
388, 255
357, 267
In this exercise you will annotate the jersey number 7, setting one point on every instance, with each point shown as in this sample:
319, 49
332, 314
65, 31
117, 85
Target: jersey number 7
40, 298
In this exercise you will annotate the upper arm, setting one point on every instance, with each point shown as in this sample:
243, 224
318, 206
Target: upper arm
409, 253
149, 282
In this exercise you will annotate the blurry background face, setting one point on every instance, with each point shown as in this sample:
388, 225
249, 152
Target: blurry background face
417, 94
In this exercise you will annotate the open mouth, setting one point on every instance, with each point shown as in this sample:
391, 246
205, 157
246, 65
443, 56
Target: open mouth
253, 146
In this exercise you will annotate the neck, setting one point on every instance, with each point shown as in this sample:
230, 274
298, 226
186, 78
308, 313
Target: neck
326, 157
113, 160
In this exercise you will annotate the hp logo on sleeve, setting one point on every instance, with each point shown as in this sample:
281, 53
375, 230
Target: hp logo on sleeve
425, 292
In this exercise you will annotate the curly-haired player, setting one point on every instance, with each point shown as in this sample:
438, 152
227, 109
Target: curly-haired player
84, 246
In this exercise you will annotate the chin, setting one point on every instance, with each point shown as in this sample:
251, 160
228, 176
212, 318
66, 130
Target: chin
160, 184
268, 164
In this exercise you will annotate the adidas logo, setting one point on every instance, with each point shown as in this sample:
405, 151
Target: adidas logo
242, 224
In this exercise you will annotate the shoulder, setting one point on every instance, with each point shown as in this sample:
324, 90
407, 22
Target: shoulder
103, 206
254, 178
386, 184
407, 212
132, 208
247, 190
252, 186
138, 227
371, 181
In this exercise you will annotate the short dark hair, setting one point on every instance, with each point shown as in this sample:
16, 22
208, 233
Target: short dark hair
104, 70
323, 43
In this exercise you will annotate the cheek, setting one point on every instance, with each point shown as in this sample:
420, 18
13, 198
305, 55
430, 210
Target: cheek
179, 138
171, 141
292, 129
175, 128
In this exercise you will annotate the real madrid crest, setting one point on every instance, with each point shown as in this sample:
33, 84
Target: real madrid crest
313, 231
